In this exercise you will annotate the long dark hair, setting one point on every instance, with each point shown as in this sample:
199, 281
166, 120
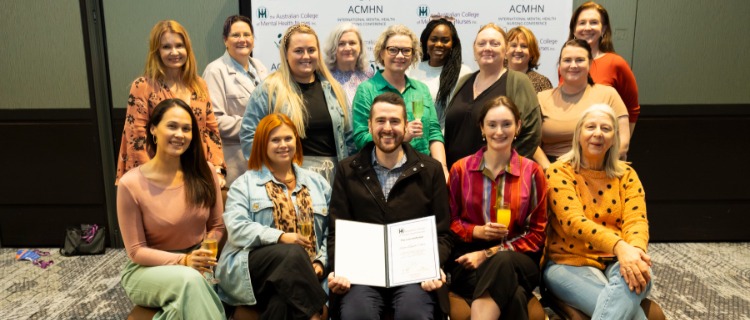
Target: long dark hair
452, 66
580, 44
605, 43
200, 187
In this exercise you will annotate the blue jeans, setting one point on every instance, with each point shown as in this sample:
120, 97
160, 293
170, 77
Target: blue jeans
601, 295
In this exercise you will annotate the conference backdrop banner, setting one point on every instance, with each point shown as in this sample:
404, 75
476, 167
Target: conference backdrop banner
548, 19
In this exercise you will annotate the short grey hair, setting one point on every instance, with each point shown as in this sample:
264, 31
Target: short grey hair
398, 29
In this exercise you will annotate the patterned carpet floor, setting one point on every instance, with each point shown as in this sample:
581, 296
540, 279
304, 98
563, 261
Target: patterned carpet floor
691, 281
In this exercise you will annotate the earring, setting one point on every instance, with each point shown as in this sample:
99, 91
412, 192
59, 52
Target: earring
483, 138
154, 139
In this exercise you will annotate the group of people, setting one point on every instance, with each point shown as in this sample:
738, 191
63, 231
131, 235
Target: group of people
322, 139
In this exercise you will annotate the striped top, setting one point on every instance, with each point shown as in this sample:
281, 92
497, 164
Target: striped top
474, 193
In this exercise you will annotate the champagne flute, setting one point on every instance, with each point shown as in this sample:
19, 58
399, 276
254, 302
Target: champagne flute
211, 244
417, 108
503, 213
304, 226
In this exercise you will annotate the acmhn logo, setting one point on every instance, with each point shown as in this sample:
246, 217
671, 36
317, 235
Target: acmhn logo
262, 13
423, 10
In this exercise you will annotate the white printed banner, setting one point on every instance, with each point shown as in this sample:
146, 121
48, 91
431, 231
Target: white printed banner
548, 19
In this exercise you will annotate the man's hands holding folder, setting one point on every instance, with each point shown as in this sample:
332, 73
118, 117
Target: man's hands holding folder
341, 285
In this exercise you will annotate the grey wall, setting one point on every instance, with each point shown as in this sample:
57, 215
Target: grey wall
692, 52
128, 24
684, 51
42, 57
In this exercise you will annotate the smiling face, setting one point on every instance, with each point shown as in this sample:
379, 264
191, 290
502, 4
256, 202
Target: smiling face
439, 44
397, 64
172, 51
387, 126
596, 137
173, 133
574, 65
499, 129
589, 27
489, 48
303, 56
348, 50
518, 54
281, 146
240, 41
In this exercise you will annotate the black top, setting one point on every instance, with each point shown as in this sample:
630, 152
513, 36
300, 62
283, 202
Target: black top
319, 126
462, 134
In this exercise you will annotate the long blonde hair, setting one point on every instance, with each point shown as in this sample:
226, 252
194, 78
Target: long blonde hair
282, 87
612, 164
154, 70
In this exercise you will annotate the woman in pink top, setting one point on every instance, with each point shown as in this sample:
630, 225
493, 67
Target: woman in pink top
590, 22
165, 208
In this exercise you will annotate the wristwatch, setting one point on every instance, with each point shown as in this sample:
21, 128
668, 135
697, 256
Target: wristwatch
489, 253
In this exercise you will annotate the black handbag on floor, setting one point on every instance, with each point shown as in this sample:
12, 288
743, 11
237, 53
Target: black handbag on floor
84, 240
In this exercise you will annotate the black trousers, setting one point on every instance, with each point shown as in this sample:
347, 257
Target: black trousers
509, 278
371, 303
284, 282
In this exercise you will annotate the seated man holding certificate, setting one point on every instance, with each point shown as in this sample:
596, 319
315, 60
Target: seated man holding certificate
498, 202
388, 183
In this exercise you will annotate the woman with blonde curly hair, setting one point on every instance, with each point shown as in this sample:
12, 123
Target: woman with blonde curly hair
304, 90
171, 73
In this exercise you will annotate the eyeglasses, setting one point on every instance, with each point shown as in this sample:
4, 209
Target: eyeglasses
438, 17
393, 51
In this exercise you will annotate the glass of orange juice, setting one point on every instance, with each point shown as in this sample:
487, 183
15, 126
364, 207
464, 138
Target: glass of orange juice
503, 213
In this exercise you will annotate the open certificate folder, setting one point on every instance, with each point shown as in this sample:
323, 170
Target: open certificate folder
387, 256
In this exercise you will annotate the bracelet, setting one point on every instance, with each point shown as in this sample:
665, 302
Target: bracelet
184, 260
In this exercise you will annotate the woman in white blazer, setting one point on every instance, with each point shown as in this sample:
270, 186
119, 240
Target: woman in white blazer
231, 79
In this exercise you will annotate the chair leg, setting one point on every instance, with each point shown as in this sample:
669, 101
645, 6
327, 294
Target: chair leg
142, 313
652, 310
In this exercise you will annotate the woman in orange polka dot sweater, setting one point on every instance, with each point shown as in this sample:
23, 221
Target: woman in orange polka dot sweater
598, 231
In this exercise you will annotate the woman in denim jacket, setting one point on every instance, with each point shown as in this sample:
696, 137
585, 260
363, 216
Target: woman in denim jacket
304, 89
268, 259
